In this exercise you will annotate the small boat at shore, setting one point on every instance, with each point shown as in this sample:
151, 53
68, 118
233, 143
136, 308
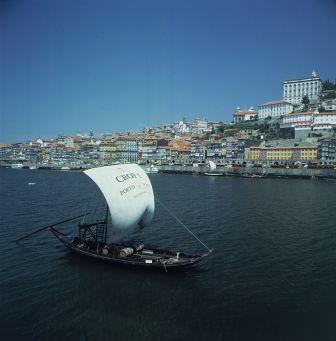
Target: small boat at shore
17, 166
130, 207
152, 170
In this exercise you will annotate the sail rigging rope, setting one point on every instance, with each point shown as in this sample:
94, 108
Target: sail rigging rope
179, 221
84, 216
100, 202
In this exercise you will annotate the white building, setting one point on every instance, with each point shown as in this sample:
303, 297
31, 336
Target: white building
295, 89
329, 104
199, 126
310, 120
274, 109
242, 115
181, 127
325, 120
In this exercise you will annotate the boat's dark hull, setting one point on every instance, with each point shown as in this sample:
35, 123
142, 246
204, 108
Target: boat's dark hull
159, 259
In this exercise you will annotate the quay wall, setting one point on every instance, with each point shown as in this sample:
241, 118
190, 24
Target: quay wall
250, 171
226, 171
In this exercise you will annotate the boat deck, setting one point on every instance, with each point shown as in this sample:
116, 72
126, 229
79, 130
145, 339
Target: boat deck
144, 257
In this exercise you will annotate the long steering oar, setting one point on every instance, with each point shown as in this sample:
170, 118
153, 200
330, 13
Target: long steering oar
45, 227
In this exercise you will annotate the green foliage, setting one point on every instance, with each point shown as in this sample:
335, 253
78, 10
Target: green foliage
327, 85
305, 100
286, 133
328, 94
229, 133
206, 136
255, 141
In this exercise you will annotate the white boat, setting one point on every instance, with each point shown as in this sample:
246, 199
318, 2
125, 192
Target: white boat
33, 167
64, 168
152, 170
17, 165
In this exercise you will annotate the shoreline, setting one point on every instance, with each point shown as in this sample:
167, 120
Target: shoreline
251, 172
243, 172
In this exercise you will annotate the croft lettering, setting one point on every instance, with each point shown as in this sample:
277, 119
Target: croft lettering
128, 176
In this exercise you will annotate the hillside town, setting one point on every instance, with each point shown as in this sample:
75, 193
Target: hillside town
297, 130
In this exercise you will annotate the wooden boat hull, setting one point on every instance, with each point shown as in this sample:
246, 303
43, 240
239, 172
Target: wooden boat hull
158, 259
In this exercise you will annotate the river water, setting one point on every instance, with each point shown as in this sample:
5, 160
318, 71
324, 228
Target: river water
272, 275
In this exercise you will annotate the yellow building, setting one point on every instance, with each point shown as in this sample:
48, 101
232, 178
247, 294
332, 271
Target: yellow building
286, 153
254, 153
108, 150
278, 153
308, 152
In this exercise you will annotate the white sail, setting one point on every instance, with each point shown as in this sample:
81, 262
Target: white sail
212, 166
128, 193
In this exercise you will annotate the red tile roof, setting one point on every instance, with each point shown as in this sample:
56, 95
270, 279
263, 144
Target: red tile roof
245, 112
274, 103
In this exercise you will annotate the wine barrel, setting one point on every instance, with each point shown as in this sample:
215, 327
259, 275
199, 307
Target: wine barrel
127, 251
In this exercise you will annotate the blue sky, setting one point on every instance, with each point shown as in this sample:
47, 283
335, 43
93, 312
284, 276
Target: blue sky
110, 65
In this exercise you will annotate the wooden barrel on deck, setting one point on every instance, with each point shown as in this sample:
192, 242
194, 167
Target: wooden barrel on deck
127, 251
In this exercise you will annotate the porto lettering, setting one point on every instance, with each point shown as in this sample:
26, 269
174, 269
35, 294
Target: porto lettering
127, 189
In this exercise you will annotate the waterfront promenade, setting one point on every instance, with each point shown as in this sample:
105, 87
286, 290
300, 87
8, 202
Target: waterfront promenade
253, 171
249, 171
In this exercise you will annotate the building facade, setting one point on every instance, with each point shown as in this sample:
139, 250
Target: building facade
274, 109
127, 149
197, 150
309, 120
199, 126
242, 115
327, 149
295, 89
254, 153
107, 151
284, 153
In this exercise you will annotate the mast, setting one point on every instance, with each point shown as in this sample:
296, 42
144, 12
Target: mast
106, 219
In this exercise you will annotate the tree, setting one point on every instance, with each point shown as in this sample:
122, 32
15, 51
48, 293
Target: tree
221, 129
327, 85
305, 101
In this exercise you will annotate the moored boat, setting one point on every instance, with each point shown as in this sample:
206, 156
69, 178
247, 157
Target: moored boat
152, 170
17, 165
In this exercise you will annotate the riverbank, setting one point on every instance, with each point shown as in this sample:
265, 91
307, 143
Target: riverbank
247, 172
254, 172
